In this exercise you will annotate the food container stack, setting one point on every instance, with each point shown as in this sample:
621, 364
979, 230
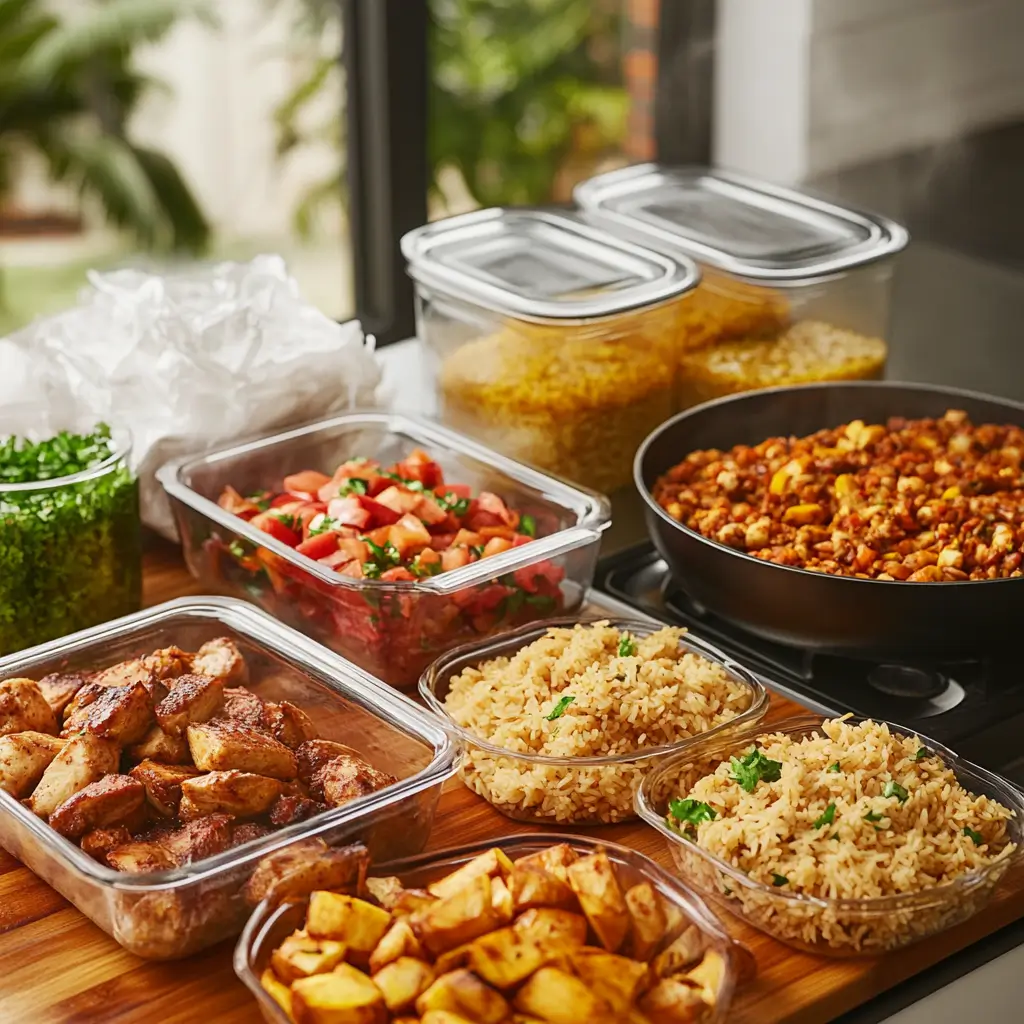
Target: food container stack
548, 339
794, 289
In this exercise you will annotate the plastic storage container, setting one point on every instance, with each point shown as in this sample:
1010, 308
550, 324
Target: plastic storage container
795, 289
70, 550
829, 927
169, 914
548, 339
270, 925
392, 629
608, 783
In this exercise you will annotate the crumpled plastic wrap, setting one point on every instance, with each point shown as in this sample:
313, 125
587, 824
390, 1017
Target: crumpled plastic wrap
185, 362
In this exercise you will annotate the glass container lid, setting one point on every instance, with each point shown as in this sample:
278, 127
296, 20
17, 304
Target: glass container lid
540, 265
747, 228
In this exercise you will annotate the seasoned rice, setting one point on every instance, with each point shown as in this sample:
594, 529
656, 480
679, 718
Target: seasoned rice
622, 704
856, 813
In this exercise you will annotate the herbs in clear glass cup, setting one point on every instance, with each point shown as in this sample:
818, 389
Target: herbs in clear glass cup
70, 536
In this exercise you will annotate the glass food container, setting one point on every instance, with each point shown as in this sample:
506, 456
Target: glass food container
169, 914
795, 289
391, 629
825, 926
548, 339
567, 790
270, 924
71, 545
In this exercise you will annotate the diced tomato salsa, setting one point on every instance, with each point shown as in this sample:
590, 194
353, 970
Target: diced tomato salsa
402, 522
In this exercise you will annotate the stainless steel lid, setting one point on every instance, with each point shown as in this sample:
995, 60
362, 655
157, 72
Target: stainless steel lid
747, 228
538, 265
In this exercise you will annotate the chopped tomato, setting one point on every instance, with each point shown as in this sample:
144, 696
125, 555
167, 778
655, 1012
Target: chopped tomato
520, 539
355, 548
506, 532
495, 546
398, 573
307, 482
488, 509
398, 499
440, 541
319, 546
542, 576
468, 537
454, 557
429, 511
418, 465
354, 568
409, 534
380, 536
336, 560
270, 522
231, 501
380, 515
427, 557
348, 512
459, 490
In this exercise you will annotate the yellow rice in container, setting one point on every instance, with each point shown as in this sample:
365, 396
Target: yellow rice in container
621, 704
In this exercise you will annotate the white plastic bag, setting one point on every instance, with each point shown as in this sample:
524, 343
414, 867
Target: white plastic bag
185, 362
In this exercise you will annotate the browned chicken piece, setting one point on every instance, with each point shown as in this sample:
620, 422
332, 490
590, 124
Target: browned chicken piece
314, 754
221, 659
124, 673
23, 759
219, 746
300, 869
194, 841
122, 713
162, 783
140, 856
169, 663
83, 759
242, 706
292, 807
83, 698
289, 724
157, 745
193, 698
24, 708
249, 831
240, 794
58, 688
346, 778
101, 840
102, 804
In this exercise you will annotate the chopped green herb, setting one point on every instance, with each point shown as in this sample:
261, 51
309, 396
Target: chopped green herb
371, 570
833, 767
560, 708
779, 880
754, 768
353, 486
513, 602
236, 549
726, 890
691, 812
418, 568
627, 646
385, 556
834, 837
528, 525
872, 816
827, 817
289, 521
451, 502
324, 526
541, 602
478, 550
412, 485
976, 837
921, 754
260, 500
895, 789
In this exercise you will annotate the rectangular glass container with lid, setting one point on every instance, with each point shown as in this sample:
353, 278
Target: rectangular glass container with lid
548, 339
795, 289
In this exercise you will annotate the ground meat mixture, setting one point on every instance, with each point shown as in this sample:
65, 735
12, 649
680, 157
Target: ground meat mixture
917, 500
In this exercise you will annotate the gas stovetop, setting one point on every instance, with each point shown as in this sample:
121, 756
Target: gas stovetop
974, 707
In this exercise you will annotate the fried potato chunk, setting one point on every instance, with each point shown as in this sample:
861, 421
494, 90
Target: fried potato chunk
121, 713
402, 981
385, 890
459, 918
344, 996
462, 992
221, 659
240, 794
558, 997
552, 929
616, 980
59, 688
288, 724
158, 745
23, 759
278, 991
554, 859
593, 880
23, 708
219, 746
83, 759
345, 779
302, 955
360, 925
533, 887
397, 941
493, 863
686, 949
102, 804
504, 958
304, 867
162, 783
648, 921
675, 1002
193, 698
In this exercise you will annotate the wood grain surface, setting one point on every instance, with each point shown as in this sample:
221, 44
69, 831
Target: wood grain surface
57, 967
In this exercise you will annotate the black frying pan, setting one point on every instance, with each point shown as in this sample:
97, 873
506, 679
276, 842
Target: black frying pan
813, 610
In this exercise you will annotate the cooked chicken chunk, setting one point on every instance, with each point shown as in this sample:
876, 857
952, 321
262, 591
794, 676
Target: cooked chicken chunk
242, 706
83, 759
105, 803
248, 831
299, 869
122, 713
169, 663
58, 688
23, 759
193, 698
314, 754
292, 807
288, 724
221, 659
346, 778
124, 673
98, 842
157, 745
240, 794
219, 746
195, 841
140, 856
162, 783
23, 708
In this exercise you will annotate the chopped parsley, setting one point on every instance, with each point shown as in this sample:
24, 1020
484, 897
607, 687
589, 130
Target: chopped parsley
478, 550
354, 485
976, 837
627, 646
64, 454
872, 816
690, 813
541, 602
560, 708
833, 767
779, 880
324, 526
895, 789
754, 768
406, 482
451, 502
260, 500
371, 570
528, 525
834, 837
921, 754
384, 557
418, 568
287, 520
827, 817
236, 549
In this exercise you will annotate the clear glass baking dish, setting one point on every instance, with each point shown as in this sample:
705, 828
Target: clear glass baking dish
546, 338
391, 629
603, 787
170, 914
270, 924
827, 927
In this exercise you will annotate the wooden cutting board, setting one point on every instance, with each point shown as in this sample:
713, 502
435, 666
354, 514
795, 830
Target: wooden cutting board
56, 966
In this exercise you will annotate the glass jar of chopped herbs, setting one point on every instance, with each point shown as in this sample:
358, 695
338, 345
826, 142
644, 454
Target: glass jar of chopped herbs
70, 536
